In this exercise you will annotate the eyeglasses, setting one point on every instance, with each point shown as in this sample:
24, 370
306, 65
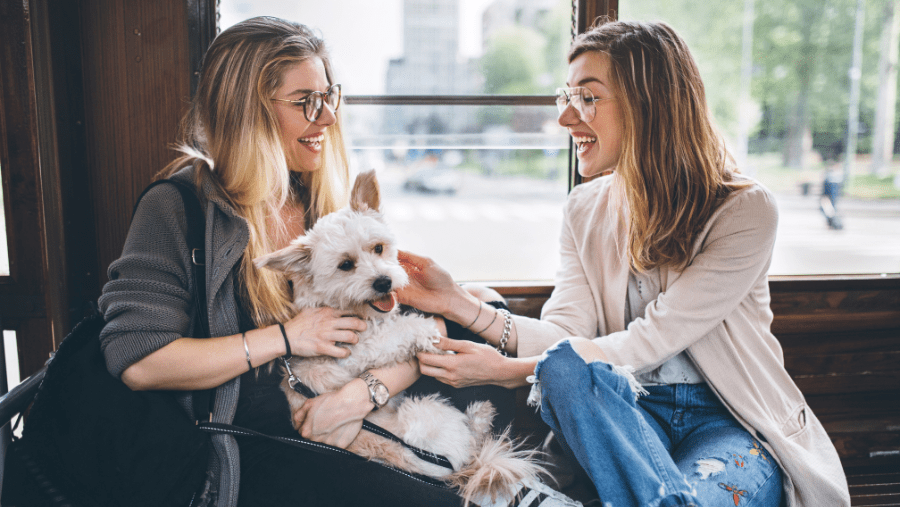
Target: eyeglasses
581, 99
315, 101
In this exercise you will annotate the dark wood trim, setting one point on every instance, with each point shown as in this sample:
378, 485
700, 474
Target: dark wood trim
78, 201
586, 15
798, 283
590, 10
841, 302
777, 284
201, 22
56, 269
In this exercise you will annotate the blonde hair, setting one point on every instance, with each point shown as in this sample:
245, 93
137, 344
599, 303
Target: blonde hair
231, 136
674, 170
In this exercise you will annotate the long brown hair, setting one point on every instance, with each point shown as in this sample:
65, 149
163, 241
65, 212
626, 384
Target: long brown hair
231, 135
674, 170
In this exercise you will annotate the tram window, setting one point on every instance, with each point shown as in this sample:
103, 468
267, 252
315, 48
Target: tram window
459, 179
783, 103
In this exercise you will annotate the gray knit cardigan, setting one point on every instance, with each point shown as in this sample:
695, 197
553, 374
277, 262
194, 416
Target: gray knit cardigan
148, 303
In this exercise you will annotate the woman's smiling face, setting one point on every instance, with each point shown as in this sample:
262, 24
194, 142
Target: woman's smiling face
302, 138
599, 141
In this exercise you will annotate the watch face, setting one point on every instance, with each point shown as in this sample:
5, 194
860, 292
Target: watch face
381, 394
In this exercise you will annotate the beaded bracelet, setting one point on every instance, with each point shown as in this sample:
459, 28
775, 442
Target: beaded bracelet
507, 329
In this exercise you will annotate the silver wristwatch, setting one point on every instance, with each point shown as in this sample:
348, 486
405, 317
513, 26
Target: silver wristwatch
378, 392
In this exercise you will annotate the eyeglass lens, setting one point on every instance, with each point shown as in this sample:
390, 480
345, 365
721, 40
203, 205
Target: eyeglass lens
316, 101
576, 97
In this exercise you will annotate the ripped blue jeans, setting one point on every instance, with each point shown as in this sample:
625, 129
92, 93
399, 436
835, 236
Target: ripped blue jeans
676, 446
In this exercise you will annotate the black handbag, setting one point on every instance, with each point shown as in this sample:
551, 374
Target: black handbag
89, 440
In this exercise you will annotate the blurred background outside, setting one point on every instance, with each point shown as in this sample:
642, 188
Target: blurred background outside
791, 83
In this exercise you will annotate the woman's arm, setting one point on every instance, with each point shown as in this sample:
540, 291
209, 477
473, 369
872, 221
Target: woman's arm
432, 289
148, 304
203, 363
335, 418
475, 364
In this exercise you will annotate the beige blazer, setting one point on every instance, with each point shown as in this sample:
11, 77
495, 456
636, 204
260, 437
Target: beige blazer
717, 309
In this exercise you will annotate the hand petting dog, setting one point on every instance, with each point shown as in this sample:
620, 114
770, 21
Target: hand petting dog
318, 331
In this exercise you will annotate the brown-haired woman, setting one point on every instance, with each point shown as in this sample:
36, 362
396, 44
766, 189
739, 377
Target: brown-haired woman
263, 147
663, 265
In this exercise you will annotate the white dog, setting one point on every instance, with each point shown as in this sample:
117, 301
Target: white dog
348, 261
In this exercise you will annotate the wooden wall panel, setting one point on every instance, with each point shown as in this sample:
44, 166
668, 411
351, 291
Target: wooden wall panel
23, 294
91, 95
136, 89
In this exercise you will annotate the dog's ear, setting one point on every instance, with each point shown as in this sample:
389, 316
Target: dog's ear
366, 195
293, 259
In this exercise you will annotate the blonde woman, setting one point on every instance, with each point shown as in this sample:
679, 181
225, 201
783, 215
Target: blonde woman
663, 270
263, 147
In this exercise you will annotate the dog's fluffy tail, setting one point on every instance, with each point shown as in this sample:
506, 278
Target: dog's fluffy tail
498, 468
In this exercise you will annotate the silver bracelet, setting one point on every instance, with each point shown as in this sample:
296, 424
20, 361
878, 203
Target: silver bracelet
246, 349
507, 329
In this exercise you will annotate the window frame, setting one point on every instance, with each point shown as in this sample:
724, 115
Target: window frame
584, 15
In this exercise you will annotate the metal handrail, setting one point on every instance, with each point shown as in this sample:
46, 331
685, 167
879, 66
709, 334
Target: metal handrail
451, 100
20, 397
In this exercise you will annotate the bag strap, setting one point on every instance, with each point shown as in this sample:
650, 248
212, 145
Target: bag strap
306, 391
212, 427
433, 458
196, 242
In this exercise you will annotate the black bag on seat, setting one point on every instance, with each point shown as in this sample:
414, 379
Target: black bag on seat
89, 440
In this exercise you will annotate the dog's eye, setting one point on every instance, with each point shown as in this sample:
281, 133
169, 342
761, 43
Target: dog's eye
347, 265
379, 248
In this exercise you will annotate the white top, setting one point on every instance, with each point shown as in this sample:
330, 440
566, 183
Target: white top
643, 288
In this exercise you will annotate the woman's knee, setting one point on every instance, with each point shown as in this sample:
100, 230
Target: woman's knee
580, 358
565, 364
587, 349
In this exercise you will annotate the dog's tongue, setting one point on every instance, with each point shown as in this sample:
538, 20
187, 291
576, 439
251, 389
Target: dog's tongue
387, 303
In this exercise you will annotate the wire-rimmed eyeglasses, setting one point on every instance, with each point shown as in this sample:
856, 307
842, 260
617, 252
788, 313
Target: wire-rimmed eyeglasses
581, 99
315, 101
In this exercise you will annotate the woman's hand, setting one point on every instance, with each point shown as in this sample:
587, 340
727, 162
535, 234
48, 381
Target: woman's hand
431, 288
334, 418
317, 331
473, 364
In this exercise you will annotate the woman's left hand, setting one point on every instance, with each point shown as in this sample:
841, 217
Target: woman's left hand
334, 418
474, 364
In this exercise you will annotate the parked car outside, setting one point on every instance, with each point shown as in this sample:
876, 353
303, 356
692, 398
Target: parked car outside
436, 179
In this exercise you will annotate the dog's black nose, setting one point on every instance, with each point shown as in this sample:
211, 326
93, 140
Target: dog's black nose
382, 284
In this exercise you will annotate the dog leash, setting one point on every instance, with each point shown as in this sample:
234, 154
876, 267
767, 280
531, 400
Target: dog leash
433, 458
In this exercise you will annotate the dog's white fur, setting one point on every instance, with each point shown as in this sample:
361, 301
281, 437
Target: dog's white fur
484, 466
